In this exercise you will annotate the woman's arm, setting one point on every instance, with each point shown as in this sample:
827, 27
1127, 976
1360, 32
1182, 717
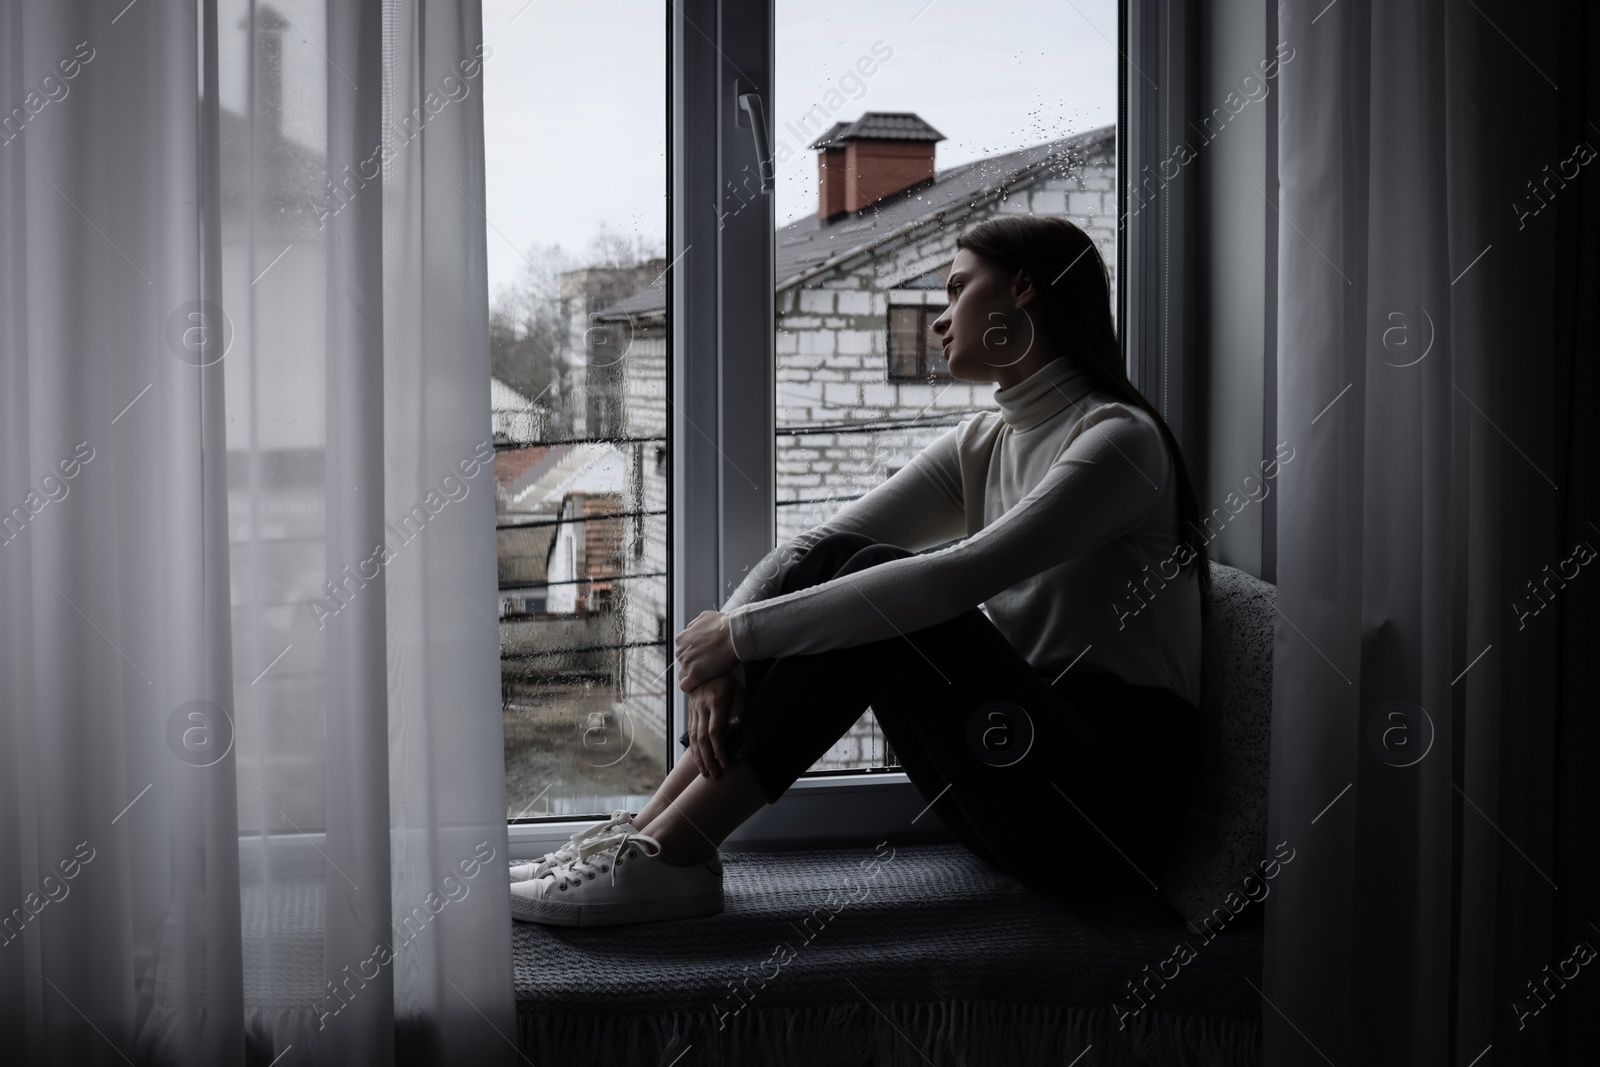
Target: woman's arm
918, 506
1100, 487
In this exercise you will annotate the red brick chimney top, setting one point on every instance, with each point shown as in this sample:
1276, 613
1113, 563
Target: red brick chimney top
878, 155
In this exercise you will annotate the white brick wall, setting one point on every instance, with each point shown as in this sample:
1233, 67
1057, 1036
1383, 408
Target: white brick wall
816, 300
1049, 202
857, 302
1084, 204
859, 342
817, 340
645, 685
878, 395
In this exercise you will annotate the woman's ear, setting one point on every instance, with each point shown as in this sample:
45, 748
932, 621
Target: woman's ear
1022, 289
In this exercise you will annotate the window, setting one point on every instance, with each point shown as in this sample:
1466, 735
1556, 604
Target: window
576, 223
766, 348
881, 160
914, 352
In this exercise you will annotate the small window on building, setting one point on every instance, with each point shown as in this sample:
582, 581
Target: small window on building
914, 352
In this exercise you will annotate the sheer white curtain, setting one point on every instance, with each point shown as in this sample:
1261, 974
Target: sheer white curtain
251, 775
1433, 742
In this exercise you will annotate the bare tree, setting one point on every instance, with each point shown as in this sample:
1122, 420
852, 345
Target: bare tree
525, 331
614, 248
528, 337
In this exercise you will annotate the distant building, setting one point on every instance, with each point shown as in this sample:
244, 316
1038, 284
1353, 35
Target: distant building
584, 554
513, 416
593, 348
559, 547
540, 495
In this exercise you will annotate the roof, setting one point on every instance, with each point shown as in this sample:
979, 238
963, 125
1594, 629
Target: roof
503, 397
809, 246
511, 464
879, 126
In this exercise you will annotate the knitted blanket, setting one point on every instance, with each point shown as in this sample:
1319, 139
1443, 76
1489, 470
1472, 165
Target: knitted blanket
891, 955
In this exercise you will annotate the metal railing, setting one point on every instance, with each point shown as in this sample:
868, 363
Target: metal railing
875, 426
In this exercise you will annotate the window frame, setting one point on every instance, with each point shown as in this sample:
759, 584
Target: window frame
721, 354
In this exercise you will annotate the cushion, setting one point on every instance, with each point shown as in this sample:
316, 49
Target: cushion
1223, 839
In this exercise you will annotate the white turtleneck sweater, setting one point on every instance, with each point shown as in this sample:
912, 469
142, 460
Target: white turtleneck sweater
1061, 500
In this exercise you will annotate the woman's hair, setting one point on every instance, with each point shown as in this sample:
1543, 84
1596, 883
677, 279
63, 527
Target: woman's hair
1074, 311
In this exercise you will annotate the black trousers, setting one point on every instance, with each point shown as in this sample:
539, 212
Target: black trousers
1072, 785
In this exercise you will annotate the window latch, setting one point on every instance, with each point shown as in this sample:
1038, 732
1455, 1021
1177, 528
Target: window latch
751, 105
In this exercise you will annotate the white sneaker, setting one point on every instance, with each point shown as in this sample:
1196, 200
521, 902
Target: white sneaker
521, 872
637, 887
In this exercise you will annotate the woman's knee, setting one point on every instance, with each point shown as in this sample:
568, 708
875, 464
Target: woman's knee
824, 559
871, 555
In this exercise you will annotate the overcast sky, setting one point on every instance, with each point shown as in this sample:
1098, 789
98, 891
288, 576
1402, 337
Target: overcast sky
574, 98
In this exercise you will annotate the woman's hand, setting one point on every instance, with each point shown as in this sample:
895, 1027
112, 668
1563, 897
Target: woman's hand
704, 650
714, 705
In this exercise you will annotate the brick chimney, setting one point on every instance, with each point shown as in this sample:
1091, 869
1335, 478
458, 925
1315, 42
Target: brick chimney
878, 155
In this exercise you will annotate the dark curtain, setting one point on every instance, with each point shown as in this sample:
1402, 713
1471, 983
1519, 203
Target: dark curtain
1434, 730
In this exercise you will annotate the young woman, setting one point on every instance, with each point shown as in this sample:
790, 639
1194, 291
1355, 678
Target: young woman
1037, 678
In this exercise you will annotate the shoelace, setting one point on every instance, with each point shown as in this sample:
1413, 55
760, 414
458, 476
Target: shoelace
569, 852
614, 847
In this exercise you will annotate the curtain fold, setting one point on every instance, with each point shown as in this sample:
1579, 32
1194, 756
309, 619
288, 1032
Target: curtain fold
251, 772
446, 743
357, 809
1437, 330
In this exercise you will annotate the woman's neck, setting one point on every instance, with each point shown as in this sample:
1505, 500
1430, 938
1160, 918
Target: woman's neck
1026, 367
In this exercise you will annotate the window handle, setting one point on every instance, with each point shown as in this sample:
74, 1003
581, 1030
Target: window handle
751, 103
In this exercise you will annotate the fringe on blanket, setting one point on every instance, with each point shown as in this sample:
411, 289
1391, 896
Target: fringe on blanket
959, 1033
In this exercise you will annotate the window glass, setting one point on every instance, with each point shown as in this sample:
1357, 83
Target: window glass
933, 363
895, 127
575, 219
905, 328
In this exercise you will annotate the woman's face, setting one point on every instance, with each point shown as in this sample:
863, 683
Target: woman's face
983, 328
